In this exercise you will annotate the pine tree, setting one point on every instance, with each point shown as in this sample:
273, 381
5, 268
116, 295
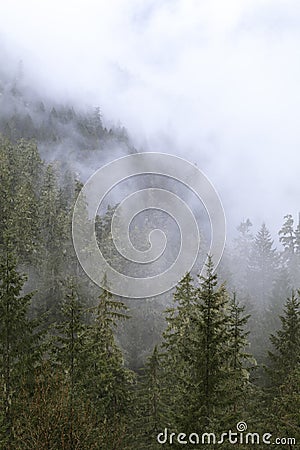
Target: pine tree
196, 342
213, 344
297, 237
263, 266
282, 395
296, 269
18, 344
107, 382
54, 236
19, 179
180, 350
151, 409
284, 412
290, 256
287, 235
281, 291
263, 269
239, 363
241, 254
285, 356
68, 349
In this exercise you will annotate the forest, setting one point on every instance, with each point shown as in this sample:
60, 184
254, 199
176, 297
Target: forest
84, 369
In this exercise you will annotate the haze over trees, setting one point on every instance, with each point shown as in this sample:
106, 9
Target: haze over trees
83, 369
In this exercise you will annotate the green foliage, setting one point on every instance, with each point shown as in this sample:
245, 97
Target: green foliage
151, 409
107, 383
18, 345
205, 360
238, 388
285, 357
75, 391
285, 407
19, 180
45, 423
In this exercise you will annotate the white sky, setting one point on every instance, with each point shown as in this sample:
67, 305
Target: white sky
215, 81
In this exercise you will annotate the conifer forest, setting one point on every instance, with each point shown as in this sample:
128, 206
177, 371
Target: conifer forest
212, 363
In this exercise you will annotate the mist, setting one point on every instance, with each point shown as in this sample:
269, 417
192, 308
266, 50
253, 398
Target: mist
122, 294
214, 82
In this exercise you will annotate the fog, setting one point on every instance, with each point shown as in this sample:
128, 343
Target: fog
216, 82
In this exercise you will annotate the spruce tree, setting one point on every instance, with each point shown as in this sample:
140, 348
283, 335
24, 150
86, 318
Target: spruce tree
19, 183
213, 345
107, 383
282, 393
151, 410
263, 270
240, 257
263, 266
285, 355
54, 235
180, 351
289, 238
281, 291
287, 235
196, 343
239, 364
68, 351
18, 344
284, 411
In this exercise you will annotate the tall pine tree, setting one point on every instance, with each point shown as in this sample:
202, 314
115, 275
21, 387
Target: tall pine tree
18, 345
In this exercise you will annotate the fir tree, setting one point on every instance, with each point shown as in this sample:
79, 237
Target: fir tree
284, 411
107, 382
18, 344
287, 235
54, 236
263, 270
213, 344
180, 350
69, 347
151, 410
239, 363
285, 356
196, 341
263, 266
241, 255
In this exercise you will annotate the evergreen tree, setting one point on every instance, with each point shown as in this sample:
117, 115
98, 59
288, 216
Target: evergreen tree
287, 235
180, 345
239, 363
55, 235
196, 341
107, 383
281, 291
20, 164
263, 270
282, 392
296, 271
297, 237
213, 345
151, 410
285, 356
284, 412
289, 238
18, 345
241, 254
68, 349
263, 266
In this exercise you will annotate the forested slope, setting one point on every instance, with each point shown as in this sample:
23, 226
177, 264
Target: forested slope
225, 350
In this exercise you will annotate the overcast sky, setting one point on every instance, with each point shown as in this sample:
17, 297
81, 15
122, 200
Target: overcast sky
215, 81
